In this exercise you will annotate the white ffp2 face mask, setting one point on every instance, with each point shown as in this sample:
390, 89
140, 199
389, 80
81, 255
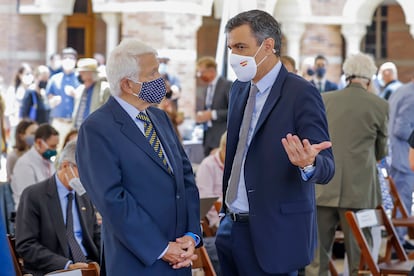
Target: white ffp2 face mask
245, 67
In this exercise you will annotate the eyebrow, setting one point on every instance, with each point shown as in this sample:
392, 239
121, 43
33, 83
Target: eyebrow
236, 45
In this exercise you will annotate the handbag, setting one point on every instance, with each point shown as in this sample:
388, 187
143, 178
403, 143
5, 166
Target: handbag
33, 108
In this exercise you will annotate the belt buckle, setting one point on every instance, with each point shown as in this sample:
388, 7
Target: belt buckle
233, 216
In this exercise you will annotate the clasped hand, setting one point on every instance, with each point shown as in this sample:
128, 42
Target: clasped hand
302, 153
181, 252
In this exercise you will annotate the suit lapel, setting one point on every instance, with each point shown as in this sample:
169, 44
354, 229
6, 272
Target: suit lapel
272, 99
83, 212
132, 132
56, 215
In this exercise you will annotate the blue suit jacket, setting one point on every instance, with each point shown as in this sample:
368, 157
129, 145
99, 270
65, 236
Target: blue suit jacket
281, 205
329, 86
142, 205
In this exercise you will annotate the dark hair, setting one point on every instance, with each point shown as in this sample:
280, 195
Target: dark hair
262, 24
17, 81
21, 128
318, 57
45, 131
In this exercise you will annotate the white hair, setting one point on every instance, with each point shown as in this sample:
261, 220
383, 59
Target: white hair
389, 66
359, 66
123, 62
68, 154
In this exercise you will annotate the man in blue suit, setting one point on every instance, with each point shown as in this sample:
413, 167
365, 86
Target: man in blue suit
137, 174
319, 80
274, 157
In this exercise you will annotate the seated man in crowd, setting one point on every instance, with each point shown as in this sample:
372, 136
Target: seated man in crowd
56, 226
35, 164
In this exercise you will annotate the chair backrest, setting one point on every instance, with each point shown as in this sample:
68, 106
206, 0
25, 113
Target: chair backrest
374, 218
203, 261
15, 258
93, 269
398, 203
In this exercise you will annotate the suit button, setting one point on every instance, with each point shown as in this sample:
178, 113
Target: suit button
177, 196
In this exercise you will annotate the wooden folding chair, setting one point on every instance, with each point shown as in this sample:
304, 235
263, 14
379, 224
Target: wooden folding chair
16, 262
406, 220
378, 218
205, 224
203, 262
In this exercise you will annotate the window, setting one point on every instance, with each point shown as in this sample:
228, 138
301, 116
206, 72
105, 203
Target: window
376, 37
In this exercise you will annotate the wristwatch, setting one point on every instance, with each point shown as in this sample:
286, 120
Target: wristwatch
307, 168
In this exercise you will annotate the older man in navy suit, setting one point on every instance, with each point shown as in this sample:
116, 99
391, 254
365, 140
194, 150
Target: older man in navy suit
137, 174
277, 149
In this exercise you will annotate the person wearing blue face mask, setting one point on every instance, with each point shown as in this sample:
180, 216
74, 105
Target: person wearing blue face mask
319, 80
36, 164
135, 170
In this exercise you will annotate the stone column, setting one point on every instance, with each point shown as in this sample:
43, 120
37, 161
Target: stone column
353, 34
112, 21
51, 22
293, 31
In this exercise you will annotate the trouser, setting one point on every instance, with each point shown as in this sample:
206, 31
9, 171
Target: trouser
405, 186
236, 253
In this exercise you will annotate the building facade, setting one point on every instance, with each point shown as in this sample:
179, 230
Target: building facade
184, 30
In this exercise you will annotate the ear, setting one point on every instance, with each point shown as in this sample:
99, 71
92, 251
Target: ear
269, 44
126, 85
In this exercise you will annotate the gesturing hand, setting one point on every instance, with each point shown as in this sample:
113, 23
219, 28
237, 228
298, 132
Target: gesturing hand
302, 153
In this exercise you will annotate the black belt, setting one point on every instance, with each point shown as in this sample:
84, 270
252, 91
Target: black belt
239, 217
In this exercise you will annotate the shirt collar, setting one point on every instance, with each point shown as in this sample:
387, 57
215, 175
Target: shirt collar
269, 79
61, 189
129, 108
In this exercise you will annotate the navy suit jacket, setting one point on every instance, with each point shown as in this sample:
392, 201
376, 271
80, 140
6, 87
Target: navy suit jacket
143, 206
41, 235
281, 204
329, 86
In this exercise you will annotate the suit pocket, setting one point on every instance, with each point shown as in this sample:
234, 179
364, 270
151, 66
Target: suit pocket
304, 206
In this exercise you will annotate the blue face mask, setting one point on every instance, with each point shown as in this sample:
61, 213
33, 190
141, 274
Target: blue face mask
29, 139
320, 72
310, 72
152, 91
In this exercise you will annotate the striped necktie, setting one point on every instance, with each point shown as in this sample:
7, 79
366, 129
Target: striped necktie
152, 138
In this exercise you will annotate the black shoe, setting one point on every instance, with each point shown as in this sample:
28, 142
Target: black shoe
408, 245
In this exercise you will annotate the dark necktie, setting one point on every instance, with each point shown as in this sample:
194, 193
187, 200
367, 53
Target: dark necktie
233, 185
152, 138
75, 250
81, 110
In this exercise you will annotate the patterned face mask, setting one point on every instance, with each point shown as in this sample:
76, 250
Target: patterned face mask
152, 91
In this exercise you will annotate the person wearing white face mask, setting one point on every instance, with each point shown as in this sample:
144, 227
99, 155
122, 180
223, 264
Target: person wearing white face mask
60, 91
136, 172
277, 150
58, 227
